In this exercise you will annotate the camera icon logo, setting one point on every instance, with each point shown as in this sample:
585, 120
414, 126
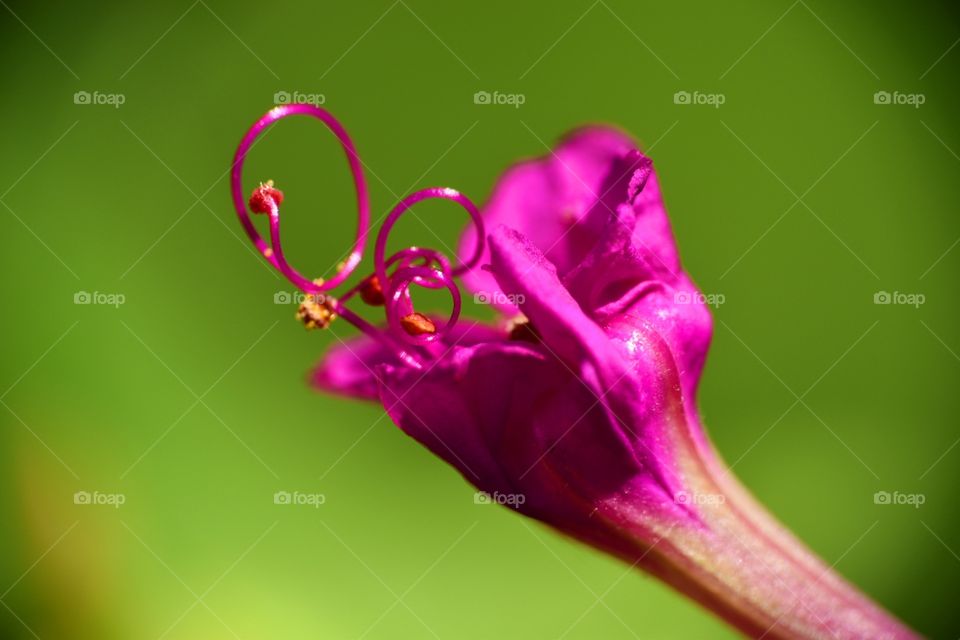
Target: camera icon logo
82, 497
481, 297
281, 97
682, 497
482, 497
482, 97
82, 297
681, 97
682, 297
282, 497
881, 97
282, 297
882, 297
882, 497
81, 97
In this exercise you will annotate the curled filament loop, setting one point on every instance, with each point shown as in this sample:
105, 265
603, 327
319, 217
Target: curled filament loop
408, 334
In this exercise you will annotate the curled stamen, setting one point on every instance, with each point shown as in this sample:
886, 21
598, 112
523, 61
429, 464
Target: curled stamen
404, 205
389, 285
371, 287
397, 299
406, 258
363, 201
303, 283
399, 307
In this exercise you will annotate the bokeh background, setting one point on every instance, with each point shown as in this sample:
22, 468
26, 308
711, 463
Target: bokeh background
794, 202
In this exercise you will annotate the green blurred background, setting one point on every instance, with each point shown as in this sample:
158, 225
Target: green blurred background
797, 200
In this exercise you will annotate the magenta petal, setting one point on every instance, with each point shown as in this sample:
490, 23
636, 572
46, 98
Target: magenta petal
549, 198
515, 421
522, 270
476, 409
624, 284
639, 396
350, 367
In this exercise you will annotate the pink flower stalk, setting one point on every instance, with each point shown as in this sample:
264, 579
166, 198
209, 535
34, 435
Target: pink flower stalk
582, 398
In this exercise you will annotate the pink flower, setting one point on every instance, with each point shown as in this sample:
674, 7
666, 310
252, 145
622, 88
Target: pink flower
580, 403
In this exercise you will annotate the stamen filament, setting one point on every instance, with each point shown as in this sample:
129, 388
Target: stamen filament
356, 169
404, 338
